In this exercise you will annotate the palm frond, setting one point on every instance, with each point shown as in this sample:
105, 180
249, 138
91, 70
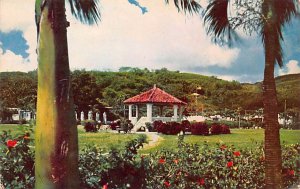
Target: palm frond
277, 14
85, 10
217, 22
187, 6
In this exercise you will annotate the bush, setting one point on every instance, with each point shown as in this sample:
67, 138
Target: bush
225, 129
115, 124
199, 128
188, 166
117, 169
216, 129
125, 125
156, 125
186, 125
91, 126
149, 126
169, 128
17, 160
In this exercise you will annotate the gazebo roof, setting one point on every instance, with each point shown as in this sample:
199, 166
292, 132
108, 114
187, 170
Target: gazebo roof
154, 95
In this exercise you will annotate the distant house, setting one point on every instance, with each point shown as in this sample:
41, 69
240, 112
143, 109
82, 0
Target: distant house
19, 114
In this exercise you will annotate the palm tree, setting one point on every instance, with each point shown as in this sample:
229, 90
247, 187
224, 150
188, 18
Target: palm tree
56, 157
268, 17
56, 133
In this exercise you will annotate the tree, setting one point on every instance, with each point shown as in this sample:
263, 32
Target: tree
56, 158
268, 17
85, 90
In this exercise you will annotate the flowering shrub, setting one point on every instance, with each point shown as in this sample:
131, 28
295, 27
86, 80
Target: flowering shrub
225, 129
157, 124
199, 128
117, 169
16, 160
188, 166
216, 129
169, 128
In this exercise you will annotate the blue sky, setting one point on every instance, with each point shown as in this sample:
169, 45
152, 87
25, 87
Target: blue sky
141, 34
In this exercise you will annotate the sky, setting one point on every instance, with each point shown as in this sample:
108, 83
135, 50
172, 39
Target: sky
145, 34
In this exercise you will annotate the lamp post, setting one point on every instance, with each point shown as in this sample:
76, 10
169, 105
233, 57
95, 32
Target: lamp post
196, 97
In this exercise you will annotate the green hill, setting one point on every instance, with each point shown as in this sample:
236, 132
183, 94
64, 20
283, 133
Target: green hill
112, 88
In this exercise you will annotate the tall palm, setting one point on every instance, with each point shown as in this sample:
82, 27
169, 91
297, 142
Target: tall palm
56, 133
268, 18
56, 164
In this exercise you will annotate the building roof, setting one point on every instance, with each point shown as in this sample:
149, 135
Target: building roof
154, 95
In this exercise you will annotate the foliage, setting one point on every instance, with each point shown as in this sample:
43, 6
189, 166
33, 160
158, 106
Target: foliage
126, 125
91, 126
187, 166
112, 88
117, 169
199, 128
186, 125
170, 128
17, 160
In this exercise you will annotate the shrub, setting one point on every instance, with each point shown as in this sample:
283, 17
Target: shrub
216, 129
17, 161
225, 129
156, 124
186, 125
169, 128
114, 125
199, 128
149, 126
91, 126
125, 125
188, 166
117, 169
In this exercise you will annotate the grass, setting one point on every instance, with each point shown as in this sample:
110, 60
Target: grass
240, 138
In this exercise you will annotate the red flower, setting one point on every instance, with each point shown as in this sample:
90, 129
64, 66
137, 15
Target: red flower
291, 172
161, 161
237, 153
167, 184
201, 181
105, 186
229, 164
11, 143
223, 147
176, 161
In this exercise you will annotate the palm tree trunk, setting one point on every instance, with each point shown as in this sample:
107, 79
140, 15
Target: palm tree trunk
56, 164
273, 169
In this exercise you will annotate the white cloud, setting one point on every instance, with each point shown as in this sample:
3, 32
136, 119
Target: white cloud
125, 37
292, 67
19, 15
160, 38
12, 62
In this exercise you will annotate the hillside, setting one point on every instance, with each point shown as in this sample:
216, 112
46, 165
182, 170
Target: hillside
18, 89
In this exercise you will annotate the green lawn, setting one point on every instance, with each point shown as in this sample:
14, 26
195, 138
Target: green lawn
240, 138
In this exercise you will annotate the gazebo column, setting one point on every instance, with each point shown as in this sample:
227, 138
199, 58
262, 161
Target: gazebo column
149, 112
181, 108
130, 112
175, 108
137, 112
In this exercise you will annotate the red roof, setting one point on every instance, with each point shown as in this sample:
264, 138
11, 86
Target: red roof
154, 95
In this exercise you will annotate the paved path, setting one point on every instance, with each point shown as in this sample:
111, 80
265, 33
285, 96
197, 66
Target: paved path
153, 139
